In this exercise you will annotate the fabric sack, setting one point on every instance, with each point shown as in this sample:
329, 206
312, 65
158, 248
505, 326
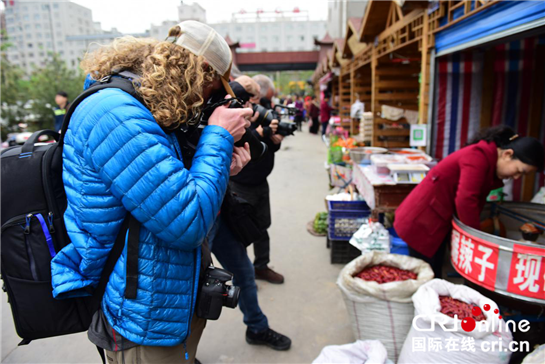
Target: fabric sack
458, 346
382, 311
360, 352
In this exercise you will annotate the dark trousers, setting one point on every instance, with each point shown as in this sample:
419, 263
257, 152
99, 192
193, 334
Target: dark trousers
232, 255
315, 126
437, 260
299, 121
324, 127
258, 197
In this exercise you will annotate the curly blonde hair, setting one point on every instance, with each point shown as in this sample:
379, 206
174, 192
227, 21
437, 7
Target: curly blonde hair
172, 78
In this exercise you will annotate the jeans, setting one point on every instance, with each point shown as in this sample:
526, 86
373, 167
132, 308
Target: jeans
232, 255
258, 197
324, 127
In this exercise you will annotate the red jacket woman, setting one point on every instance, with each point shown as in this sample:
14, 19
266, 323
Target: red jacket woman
458, 186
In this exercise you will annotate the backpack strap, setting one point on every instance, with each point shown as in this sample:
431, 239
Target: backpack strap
131, 283
109, 81
113, 257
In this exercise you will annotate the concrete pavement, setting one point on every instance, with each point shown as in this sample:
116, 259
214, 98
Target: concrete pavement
308, 307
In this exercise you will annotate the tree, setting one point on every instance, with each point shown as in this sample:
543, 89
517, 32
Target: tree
14, 90
44, 84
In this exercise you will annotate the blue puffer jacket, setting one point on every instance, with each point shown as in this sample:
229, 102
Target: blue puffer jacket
116, 159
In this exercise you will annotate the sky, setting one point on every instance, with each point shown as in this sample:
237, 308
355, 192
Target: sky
135, 16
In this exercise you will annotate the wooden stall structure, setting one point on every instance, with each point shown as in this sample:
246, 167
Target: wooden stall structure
385, 62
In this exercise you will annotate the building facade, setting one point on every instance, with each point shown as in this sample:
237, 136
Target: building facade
272, 31
191, 12
37, 28
338, 13
160, 32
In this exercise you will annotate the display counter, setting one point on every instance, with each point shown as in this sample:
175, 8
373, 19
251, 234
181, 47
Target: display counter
381, 193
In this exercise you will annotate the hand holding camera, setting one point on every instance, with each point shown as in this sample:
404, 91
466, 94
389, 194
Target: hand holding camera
234, 120
241, 157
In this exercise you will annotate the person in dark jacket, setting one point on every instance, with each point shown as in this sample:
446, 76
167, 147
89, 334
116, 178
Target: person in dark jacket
325, 113
233, 256
61, 99
299, 116
314, 113
251, 184
121, 156
458, 186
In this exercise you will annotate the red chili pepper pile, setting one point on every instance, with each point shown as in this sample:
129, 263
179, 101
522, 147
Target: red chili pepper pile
384, 274
451, 307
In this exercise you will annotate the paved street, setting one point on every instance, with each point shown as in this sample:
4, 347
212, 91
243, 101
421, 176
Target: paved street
308, 307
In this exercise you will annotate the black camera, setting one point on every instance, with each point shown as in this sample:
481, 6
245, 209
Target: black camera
266, 116
257, 147
286, 129
215, 294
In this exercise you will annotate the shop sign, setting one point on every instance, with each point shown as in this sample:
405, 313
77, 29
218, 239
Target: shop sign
527, 273
474, 258
521, 267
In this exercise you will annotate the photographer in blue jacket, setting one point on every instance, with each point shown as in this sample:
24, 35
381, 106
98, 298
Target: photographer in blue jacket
120, 156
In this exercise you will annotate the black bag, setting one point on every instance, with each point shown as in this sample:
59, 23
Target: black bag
33, 231
241, 218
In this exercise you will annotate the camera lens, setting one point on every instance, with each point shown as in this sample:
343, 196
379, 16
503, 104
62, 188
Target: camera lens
231, 300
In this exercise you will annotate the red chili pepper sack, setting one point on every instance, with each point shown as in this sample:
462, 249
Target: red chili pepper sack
451, 307
384, 274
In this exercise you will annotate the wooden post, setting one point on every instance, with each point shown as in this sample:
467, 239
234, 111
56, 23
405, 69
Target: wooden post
424, 74
374, 93
353, 128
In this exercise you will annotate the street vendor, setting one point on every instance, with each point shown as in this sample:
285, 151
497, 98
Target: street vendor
458, 186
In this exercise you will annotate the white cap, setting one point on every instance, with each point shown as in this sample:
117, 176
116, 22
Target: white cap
202, 40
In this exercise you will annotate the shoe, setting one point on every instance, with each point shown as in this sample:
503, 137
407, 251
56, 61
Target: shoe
269, 275
270, 338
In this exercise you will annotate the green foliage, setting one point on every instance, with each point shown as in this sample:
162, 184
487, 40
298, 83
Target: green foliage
46, 82
14, 89
294, 82
30, 99
289, 82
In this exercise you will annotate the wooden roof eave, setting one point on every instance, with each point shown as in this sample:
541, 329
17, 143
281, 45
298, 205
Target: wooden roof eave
374, 20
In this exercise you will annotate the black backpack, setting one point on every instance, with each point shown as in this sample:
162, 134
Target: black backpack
33, 231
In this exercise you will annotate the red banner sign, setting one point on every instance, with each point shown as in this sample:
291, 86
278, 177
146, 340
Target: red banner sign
478, 261
527, 273
474, 258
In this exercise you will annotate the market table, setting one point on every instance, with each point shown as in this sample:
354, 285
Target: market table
381, 193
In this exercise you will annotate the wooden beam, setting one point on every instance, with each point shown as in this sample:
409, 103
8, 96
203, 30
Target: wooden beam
424, 74
451, 22
397, 71
397, 96
374, 76
393, 132
399, 84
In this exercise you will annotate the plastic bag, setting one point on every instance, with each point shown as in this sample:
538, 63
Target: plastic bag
540, 196
535, 357
382, 311
360, 352
437, 345
371, 237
